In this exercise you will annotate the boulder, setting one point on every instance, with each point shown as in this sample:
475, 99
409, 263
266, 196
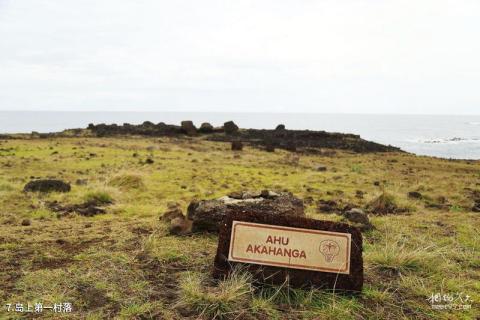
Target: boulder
237, 145
207, 215
321, 168
230, 127
280, 127
47, 185
206, 128
188, 128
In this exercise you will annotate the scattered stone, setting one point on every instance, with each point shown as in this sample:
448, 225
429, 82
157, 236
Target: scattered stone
172, 213
358, 218
476, 206
206, 128
47, 185
359, 194
230, 127
81, 182
308, 200
88, 209
269, 147
180, 226
26, 222
327, 206
188, 128
207, 215
268, 194
376, 183
321, 168
237, 145
415, 195
149, 161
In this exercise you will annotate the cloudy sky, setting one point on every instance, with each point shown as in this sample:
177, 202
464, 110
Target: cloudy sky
352, 56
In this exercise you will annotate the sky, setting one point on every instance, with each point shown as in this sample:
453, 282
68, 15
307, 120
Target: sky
321, 56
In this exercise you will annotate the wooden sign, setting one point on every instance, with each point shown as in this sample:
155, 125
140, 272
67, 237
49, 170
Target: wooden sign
302, 252
290, 247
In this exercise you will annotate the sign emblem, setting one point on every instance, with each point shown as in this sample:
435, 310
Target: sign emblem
330, 249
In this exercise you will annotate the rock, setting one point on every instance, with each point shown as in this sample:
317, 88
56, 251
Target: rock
47, 185
321, 168
376, 183
81, 182
207, 215
149, 161
26, 222
230, 127
269, 147
268, 194
415, 195
359, 194
327, 206
172, 213
180, 226
308, 200
358, 218
88, 208
206, 128
476, 206
237, 145
280, 127
188, 128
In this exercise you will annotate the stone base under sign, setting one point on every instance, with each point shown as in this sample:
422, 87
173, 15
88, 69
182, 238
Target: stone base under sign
297, 278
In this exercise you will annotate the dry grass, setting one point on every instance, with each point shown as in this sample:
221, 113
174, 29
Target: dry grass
124, 265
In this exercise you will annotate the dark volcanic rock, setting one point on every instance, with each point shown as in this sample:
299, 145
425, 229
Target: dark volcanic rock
327, 206
415, 195
280, 127
281, 138
346, 283
188, 128
476, 206
207, 215
206, 128
88, 208
180, 226
269, 147
230, 127
358, 218
47, 185
172, 213
237, 145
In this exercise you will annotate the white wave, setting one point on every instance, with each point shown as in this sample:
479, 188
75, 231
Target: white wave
450, 140
474, 123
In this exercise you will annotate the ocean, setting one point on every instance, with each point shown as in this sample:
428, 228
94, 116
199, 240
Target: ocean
446, 136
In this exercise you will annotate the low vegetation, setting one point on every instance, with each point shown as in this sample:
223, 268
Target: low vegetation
123, 264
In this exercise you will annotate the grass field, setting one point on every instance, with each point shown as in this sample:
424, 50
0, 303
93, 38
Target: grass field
125, 265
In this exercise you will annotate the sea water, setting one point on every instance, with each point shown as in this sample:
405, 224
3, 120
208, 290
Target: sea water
444, 136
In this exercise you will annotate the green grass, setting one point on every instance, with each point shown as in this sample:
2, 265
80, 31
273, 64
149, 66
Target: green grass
124, 265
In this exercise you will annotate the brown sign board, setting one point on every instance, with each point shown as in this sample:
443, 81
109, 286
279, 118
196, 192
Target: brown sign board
286, 249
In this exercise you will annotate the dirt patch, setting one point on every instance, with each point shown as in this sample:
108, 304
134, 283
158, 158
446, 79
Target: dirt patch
88, 209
